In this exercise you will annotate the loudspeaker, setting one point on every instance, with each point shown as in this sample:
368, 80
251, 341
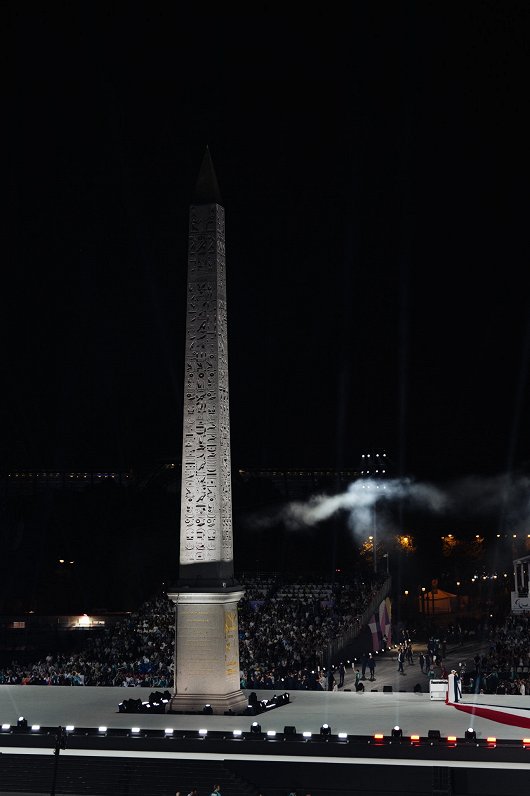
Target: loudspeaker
387, 689
289, 730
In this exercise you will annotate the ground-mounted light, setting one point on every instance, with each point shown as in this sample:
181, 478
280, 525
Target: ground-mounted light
69, 728
343, 736
135, 730
307, 734
168, 731
203, 732
271, 733
378, 736
526, 742
237, 733
102, 729
6, 727
35, 727
414, 739
451, 739
491, 740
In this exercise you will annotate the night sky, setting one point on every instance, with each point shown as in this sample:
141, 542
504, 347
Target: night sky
373, 164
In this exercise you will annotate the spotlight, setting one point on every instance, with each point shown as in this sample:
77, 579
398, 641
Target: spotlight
470, 734
207, 710
35, 727
22, 723
271, 733
325, 729
307, 734
434, 735
397, 732
343, 736
237, 733
69, 728
168, 731
135, 730
6, 726
203, 733
255, 728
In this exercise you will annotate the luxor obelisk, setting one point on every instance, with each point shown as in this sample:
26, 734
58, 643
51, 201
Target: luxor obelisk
206, 595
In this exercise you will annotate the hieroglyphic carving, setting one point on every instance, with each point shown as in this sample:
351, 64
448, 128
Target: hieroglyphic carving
206, 503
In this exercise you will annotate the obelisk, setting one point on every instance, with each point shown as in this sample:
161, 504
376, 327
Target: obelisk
206, 595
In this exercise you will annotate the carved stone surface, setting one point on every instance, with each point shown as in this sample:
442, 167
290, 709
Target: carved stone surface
206, 502
207, 661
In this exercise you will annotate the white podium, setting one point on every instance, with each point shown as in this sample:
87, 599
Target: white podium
438, 689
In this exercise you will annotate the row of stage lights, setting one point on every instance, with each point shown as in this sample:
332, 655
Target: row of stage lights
289, 732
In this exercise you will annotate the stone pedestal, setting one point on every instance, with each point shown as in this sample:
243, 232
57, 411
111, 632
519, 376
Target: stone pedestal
207, 651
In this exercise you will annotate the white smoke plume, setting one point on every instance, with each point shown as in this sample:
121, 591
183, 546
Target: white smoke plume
503, 496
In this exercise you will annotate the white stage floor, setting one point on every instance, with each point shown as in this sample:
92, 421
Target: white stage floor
354, 713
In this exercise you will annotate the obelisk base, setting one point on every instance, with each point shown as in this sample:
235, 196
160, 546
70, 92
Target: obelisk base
235, 703
207, 651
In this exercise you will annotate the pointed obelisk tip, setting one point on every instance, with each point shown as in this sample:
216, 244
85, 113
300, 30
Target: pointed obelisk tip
207, 188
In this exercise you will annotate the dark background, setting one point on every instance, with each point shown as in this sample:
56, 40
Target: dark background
373, 164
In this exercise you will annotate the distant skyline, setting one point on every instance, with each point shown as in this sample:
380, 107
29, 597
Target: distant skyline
374, 172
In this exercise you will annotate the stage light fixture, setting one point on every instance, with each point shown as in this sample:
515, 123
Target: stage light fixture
35, 727
135, 730
207, 710
325, 729
271, 733
343, 736
102, 729
307, 734
203, 733
69, 728
168, 731
397, 732
6, 726
289, 730
255, 728
491, 740
470, 734
22, 723
434, 735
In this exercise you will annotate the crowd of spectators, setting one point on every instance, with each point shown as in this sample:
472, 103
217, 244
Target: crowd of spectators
503, 667
285, 628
